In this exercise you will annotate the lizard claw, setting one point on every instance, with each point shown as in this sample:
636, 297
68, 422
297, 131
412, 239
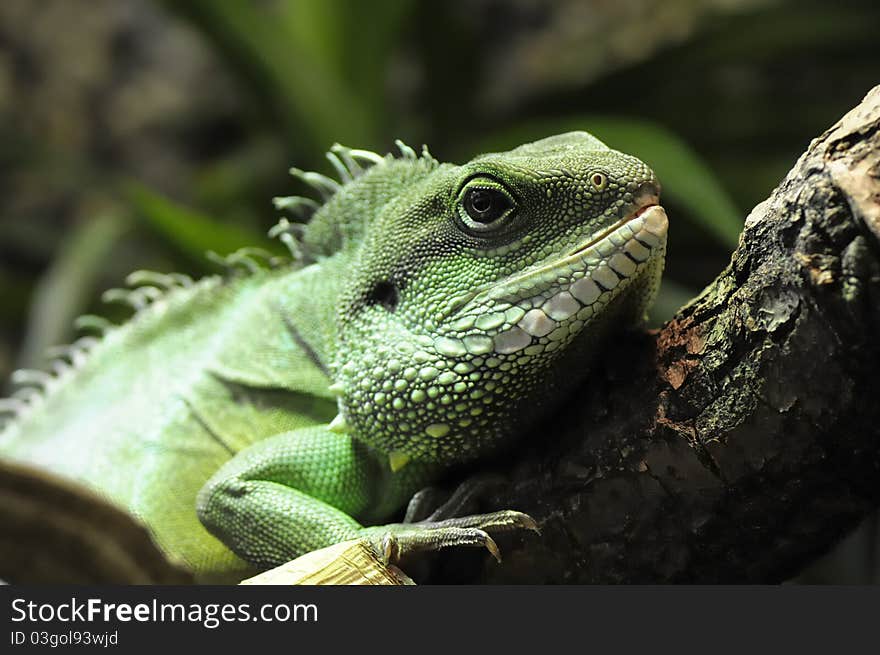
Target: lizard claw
394, 542
503, 521
531, 524
492, 547
390, 548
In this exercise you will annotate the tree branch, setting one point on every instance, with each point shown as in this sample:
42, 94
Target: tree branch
740, 441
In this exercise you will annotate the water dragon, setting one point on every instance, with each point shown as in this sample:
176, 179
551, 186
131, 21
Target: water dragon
430, 315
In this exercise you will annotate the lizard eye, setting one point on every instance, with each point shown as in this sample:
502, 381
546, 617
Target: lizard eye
484, 203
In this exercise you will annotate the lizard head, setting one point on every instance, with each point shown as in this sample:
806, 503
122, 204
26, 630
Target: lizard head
479, 293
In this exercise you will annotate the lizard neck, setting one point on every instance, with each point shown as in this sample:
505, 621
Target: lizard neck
306, 302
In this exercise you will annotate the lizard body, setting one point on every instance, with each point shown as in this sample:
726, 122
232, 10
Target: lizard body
435, 312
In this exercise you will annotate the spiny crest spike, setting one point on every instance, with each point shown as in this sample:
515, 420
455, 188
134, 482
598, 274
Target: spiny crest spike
405, 150
366, 155
93, 322
81, 346
32, 377
292, 245
137, 298
78, 357
260, 254
344, 174
86, 343
338, 425
426, 154
248, 260
299, 205
283, 225
214, 258
138, 278
149, 293
181, 279
247, 264
127, 296
60, 367
26, 394
321, 183
11, 406
289, 234
350, 163
253, 259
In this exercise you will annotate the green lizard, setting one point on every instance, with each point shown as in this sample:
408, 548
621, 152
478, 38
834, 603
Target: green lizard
437, 311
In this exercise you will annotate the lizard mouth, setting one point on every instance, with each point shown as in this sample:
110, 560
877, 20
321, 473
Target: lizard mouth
546, 305
646, 225
647, 221
653, 202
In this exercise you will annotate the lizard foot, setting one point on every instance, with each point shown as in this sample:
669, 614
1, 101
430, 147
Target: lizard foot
395, 541
433, 504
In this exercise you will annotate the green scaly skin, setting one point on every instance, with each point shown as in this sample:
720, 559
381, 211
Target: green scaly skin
436, 313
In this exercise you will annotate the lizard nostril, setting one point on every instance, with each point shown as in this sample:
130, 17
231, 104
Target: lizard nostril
384, 293
647, 189
647, 193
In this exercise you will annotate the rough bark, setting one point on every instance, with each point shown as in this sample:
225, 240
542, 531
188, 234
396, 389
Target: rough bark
741, 440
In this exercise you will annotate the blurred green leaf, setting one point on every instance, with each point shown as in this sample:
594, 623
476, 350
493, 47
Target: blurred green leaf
365, 54
63, 292
15, 290
239, 187
190, 231
686, 179
333, 33
311, 58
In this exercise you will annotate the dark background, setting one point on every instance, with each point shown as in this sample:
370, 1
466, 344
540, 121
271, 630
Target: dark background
141, 133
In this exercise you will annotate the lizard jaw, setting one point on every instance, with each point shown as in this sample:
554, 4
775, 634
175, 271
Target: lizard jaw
531, 308
645, 202
597, 247
648, 203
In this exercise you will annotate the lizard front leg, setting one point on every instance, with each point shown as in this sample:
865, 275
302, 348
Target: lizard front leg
288, 495
300, 491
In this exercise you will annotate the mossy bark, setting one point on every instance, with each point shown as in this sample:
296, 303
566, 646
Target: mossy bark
741, 440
